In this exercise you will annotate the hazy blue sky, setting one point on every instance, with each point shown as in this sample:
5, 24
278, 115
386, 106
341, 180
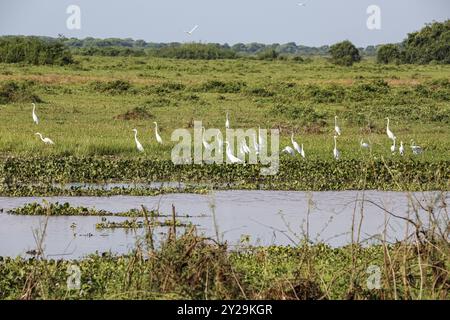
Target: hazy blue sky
268, 21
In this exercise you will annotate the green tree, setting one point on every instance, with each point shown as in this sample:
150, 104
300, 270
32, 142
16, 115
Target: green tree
344, 53
388, 53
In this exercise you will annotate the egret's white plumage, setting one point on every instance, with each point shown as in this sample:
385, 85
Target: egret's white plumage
295, 144
206, 145
45, 140
158, 137
415, 148
363, 144
401, 150
255, 144
35, 117
288, 150
230, 155
227, 122
393, 147
389, 133
244, 147
336, 127
138, 144
220, 142
303, 152
336, 153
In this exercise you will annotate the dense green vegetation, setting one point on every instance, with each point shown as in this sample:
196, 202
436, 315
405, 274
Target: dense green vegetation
431, 44
344, 53
194, 267
33, 50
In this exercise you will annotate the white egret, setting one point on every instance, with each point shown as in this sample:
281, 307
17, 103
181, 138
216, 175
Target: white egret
138, 144
244, 147
192, 30
260, 140
295, 144
35, 117
288, 150
336, 153
206, 145
336, 127
416, 149
158, 137
45, 140
303, 152
363, 144
393, 146
230, 155
389, 133
227, 122
401, 149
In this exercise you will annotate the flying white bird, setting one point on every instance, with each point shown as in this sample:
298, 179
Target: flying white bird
302, 4
416, 149
336, 153
230, 155
364, 144
401, 149
295, 144
227, 122
45, 140
288, 150
389, 133
393, 146
158, 137
192, 30
336, 127
35, 117
138, 144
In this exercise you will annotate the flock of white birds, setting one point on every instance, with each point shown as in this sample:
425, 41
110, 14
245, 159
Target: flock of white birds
244, 149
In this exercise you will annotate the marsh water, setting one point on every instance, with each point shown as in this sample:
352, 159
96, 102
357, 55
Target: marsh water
255, 217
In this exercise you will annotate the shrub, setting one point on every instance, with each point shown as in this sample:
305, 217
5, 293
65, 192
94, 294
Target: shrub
33, 50
112, 87
12, 91
344, 53
389, 53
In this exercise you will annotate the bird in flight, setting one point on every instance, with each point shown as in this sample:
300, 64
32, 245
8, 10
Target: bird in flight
302, 4
192, 30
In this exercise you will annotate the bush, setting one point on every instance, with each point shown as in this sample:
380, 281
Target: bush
194, 51
431, 44
268, 54
221, 86
344, 53
12, 91
389, 53
113, 87
33, 50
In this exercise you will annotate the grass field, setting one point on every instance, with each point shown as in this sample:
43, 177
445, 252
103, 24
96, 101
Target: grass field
86, 112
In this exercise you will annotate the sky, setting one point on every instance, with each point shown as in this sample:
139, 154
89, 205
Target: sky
319, 22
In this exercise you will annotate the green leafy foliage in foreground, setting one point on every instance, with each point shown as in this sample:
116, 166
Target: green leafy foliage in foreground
293, 174
192, 267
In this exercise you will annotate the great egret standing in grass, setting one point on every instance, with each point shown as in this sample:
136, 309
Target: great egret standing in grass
227, 122
158, 137
389, 133
303, 152
295, 144
230, 155
45, 140
138, 144
192, 30
288, 150
401, 150
336, 153
393, 146
336, 127
416, 149
363, 144
35, 117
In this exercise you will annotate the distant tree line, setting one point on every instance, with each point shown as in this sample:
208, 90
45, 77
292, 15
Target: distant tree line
33, 50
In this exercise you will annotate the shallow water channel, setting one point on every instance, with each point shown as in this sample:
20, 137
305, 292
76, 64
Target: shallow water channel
259, 217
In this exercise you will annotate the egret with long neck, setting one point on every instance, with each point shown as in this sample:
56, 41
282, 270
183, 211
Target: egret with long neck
336, 153
138, 144
158, 137
35, 117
